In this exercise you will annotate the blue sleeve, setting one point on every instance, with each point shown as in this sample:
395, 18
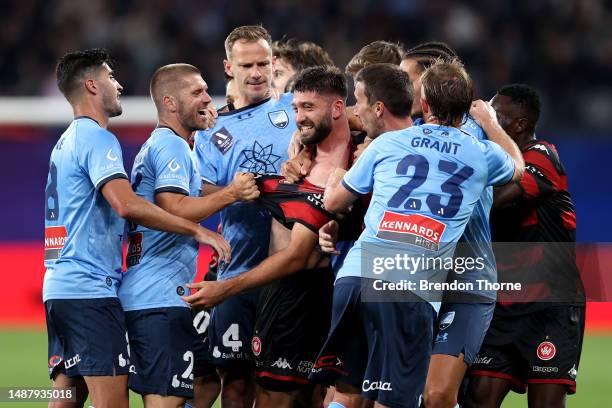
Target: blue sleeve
101, 158
207, 158
360, 178
499, 163
172, 166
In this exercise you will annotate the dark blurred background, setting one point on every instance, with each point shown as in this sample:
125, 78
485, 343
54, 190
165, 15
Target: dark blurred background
562, 47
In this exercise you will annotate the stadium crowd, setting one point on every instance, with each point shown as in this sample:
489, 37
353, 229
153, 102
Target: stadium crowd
562, 47
315, 196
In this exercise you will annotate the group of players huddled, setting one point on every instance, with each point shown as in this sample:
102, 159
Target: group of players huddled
309, 191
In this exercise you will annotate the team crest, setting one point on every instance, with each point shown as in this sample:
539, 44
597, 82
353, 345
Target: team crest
256, 345
546, 350
279, 118
447, 320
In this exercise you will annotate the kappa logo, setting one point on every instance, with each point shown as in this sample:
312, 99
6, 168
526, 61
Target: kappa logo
174, 166
546, 350
111, 155
376, 385
539, 147
442, 338
279, 118
223, 140
447, 320
282, 364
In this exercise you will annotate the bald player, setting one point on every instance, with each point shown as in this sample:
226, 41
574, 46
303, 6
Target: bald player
160, 264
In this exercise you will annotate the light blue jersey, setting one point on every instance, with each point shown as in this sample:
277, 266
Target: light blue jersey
476, 239
251, 139
160, 263
426, 180
82, 232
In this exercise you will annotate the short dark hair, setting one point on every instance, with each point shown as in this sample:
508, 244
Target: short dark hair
322, 80
166, 79
425, 54
389, 84
73, 66
526, 98
374, 53
301, 54
449, 91
250, 33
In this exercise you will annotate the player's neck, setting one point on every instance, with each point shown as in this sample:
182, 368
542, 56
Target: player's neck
176, 127
394, 123
333, 152
524, 139
244, 100
86, 109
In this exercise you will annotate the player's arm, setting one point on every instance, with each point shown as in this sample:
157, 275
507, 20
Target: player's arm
507, 194
285, 262
486, 117
119, 194
339, 196
209, 188
242, 188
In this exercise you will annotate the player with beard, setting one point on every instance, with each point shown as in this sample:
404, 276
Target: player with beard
159, 264
532, 346
253, 137
86, 196
295, 307
388, 356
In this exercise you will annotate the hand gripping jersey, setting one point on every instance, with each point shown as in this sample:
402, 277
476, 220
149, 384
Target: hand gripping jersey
251, 139
82, 232
159, 264
290, 203
426, 181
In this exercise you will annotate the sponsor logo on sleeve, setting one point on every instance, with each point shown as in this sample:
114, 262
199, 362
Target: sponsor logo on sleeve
55, 239
279, 118
223, 140
415, 229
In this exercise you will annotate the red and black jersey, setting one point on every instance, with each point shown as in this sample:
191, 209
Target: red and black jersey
544, 215
289, 203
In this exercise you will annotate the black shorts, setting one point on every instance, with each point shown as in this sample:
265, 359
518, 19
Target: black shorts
87, 337
542, 347
292, 322
203, 364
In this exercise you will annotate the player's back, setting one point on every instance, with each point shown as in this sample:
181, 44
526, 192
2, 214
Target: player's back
160, 263
426, 181
82, 232
251, 139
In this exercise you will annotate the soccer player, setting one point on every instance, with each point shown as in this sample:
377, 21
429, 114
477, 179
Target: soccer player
294, 311
159, 264
86, 196
253, 137
291, 56
406, 170
376, 52
532, 346
416, 60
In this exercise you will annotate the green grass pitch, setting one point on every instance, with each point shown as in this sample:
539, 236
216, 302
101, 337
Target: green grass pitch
23, 354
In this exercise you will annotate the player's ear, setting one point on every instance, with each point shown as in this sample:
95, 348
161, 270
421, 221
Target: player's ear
169, 103
90, 86
337, 108
227, 66
379, 108
520, 125
424, 107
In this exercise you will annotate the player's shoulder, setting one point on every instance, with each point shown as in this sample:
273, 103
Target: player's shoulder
541, 147
89, 133
540, 152
166, 138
